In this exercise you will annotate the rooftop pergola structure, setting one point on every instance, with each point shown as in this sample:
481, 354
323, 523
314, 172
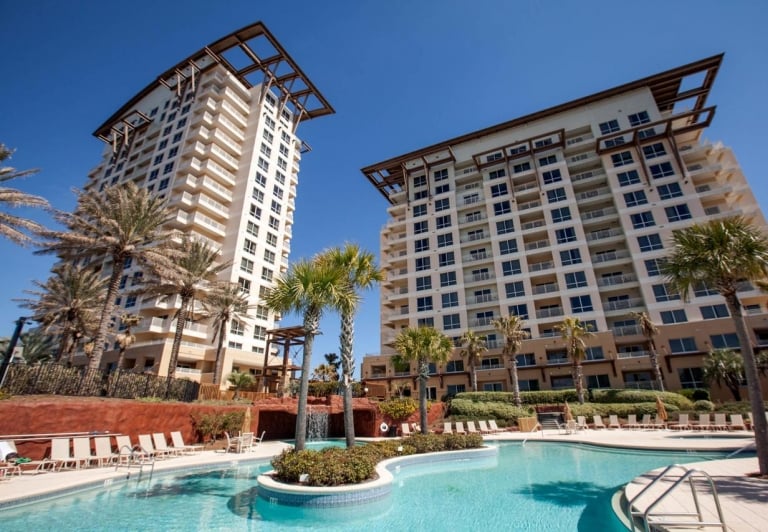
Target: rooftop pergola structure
286, 337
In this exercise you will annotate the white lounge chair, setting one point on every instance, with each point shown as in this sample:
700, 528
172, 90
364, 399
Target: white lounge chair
646, 422
720, 423
631, 422
178, 444
161, 445
61, 455
682, 423
104, 455
447, 428
581, 422
704, 422
145, 442
613, 421
9, 446
460, 428
405, 430
598, 422
737, 422
658, 423
484, 429
81, 451
471, 429
494, 426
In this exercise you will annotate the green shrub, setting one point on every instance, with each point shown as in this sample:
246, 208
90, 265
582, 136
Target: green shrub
469, 409
701, 394
641, 396
216, 424
704, 406
398, 408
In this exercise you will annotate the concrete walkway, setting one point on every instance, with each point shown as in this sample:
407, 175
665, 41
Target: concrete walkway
743, 498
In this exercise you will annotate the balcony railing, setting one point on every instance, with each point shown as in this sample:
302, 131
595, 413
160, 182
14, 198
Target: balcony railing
549, 312
623, 304
614, 280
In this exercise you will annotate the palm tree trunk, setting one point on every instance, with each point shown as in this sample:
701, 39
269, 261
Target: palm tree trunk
217, 363
181, 320
515, 382
655, 365
106, 312
64, 344
347, 369
577, 380
311, 323
753, 382
121, 358
474, 378
423, 378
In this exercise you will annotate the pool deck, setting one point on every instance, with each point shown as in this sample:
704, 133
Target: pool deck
743, 499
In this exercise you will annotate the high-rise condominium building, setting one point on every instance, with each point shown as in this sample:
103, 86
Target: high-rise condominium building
216, 136
568, 211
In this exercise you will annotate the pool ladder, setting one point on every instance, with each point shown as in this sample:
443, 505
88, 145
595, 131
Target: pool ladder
651, 518
136, 457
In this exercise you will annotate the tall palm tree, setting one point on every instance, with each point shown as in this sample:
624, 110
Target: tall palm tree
225, 302
720, 254
67, 305
512, 329
649, 330
13, 227
308, 288
474, 346
189, 277
38, 346
724, 366
126, 338
332, 362
359, 271
424, 345
574, 332
121, 223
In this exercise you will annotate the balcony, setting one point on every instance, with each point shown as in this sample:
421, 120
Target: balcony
609, 256
627, 330
545, 288
472, 218
528, 205
541, 266
478, 277
532, 225
539, 244
475, 257
484, 298
604, 234
623, 304
633, 354
615, 280
598, 213
474, 237
549, 312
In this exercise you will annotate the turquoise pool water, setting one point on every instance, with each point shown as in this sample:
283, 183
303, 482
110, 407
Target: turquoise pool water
538, 486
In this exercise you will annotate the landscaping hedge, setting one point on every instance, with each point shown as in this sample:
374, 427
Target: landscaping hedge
561, 396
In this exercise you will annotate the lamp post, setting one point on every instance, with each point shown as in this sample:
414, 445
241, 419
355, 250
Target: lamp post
11, 346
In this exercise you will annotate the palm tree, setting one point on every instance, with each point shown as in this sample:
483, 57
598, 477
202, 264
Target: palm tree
512, 329
125, 339
13, 227
724, 366
357, 267
38, 346
240, 381
650, 330
225, 302
188, 277
720, 254
424, 345
67, 305
574, 331
308, 288
123, 223
332, 362
325, 373
474, 347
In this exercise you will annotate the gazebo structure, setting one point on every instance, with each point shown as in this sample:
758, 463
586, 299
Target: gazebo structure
285, 337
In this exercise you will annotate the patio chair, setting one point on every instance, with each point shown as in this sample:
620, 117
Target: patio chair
104, 455
631, 422
161, 445
646, 422
484, 427
447, 428
581, 422
704, 422
613, 421
61, 455
494, 426
737, 422
145, 442
9, 446
246, 441
720, 423
460, 428
598, 422
178, 443
81, 451
471, 429
405, 430
682, 423
233, 444
7, 470
125, 451
658, 423
257, 441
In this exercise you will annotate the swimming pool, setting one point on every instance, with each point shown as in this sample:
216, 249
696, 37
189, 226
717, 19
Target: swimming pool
536, 486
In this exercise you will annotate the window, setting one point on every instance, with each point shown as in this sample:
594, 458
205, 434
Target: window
262, 312
561, 215
683, 345
581, 304
259, 332
570, 256
594, 353
505, 226
423, 304
446, 259
422, 263
130, 301
543, 142
661, 170
258, 195
274, 223
421, 245
255, 211
420, 181
549, 159
621, 159
451, 299
451, 321
521, 311
628, 178
598, 381
123, 281
616, 141
672, 190
556, 195
575, 279
495, 174
420, 210
664, 292
503, 207
653, 267
525, 359
499, 190
453, 389
654, 150
237, 327
522, 167
260, 179
642, 219
269, 256
639, 118
443, 221
420, 227
445, 240
277, 192
244, 284
442, 189
420, 194
447, 279
280, 178
676, 213
515, 289
719, 341
493, 157
673, 316
440, 175
649, 242
702, 290
611, 126
567, 234
442, 204
249, 247
691, 377
424, 283
246, 265
426, 322
508, 246
276, 207
511, 267
271, 239
633, 199
282, 163
454, 366
710, 312
266, 274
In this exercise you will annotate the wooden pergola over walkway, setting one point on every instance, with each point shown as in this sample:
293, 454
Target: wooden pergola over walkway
286, 337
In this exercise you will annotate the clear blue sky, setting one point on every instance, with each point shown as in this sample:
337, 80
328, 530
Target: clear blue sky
400, 74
